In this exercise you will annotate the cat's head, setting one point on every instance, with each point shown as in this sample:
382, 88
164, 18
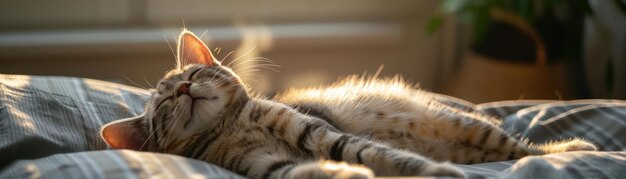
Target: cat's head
191, 99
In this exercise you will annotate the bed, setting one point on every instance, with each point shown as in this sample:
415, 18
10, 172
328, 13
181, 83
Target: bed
49, 129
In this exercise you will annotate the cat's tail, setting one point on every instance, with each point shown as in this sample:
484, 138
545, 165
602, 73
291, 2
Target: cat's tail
568, 145
522, 148
496, 145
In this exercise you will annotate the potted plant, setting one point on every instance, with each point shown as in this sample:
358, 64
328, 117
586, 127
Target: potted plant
538, 39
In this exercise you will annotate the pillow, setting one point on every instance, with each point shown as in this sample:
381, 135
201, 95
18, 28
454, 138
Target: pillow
502, 109
602, 122
41, 116
115, 164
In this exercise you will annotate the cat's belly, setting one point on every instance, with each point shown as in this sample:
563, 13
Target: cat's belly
429, 133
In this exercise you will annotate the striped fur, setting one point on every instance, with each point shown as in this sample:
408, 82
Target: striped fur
353, 129
399, 115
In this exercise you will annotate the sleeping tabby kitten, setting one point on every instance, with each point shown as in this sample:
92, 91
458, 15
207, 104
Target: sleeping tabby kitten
356, 128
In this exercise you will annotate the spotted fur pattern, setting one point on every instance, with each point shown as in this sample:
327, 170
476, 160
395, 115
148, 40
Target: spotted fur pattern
356, 128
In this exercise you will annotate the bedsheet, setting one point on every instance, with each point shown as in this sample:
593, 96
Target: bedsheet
49, 129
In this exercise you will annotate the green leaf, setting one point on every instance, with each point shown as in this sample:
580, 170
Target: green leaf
454, 6
481, 19
433, 24
525, 9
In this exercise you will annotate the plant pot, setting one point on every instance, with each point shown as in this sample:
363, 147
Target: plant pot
505, 42
515, 59
483, 79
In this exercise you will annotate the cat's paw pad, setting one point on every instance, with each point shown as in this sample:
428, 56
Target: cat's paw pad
329, 169
443, 169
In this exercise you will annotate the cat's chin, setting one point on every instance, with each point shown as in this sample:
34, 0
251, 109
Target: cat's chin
194, 105
188, 103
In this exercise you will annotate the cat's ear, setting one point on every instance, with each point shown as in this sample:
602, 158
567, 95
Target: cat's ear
125, 134
191, 50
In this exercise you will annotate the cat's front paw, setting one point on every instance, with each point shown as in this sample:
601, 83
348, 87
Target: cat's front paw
329, 169
442, 169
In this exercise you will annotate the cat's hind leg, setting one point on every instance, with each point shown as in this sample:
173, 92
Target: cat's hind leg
271, 166
330, 169
382, 159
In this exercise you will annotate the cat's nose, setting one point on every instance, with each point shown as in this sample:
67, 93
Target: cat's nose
183, 89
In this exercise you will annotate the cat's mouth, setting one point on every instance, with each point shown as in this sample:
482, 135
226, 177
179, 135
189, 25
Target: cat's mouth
198, 98
193, 98
192, 103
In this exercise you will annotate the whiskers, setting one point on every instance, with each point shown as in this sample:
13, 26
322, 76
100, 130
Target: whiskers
227, 55
242, 55
146, 80
137, 84
176, 116
170, 46
250, 68
117, 95
257, 63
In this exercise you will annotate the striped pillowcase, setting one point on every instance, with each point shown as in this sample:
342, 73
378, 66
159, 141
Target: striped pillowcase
115, 164
41, 116
64, 114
